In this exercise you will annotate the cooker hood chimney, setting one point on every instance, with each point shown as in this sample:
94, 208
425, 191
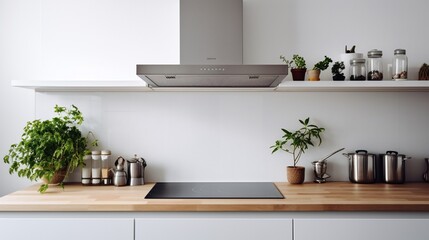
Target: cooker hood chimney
211, 51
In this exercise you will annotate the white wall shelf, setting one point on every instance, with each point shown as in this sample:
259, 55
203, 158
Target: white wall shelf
354, 86
288, 86
83, 86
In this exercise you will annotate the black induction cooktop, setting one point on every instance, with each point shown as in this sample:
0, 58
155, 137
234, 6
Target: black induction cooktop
214, 190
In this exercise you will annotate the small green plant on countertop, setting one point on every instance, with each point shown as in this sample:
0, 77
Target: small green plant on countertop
296, 59
49, 146
299, 140
322, 65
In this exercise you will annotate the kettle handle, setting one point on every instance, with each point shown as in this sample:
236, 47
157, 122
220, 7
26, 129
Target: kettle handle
117, 160
143, 162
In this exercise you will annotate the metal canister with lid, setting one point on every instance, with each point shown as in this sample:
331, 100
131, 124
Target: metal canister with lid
362, 166
393, 167
375, 65
357, 69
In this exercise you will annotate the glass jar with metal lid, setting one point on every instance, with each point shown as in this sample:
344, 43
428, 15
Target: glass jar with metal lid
375, 65
357, 69
105, 166
400, 65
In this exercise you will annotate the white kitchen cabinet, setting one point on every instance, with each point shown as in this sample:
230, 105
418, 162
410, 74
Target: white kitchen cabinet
66, 228
213, 228
358, 229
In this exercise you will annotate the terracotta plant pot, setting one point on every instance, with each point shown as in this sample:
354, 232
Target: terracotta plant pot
295, 175
298, 74
314, 75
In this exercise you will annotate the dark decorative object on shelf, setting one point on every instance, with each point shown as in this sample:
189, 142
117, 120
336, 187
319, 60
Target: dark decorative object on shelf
352, 50
337, 71
424, 72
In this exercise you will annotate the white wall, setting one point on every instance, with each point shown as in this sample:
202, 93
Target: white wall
19, 55
212, 136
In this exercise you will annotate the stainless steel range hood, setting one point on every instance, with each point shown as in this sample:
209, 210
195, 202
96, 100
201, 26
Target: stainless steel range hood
211, 51
212, 75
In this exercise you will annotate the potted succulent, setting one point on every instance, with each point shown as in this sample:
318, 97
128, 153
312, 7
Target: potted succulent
298, 142
49, 149
337, 71
314, 74
298, 71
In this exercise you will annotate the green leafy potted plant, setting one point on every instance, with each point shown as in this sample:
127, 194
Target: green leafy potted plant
337, 71
314, 74
49, 149
297, 143
298, 71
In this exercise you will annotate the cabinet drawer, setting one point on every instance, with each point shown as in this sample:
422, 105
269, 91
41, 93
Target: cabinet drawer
66, 228
358, 229
213, 229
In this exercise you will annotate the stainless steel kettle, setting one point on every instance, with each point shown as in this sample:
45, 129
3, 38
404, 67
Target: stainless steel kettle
136, 167
119, 174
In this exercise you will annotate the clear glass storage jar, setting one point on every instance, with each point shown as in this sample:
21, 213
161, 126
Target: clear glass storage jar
375, 65
105, 166
96, 168
357, 69
400, 65
86, 170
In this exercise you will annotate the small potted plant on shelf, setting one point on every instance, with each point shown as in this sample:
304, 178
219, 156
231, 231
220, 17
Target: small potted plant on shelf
298, 67
337, 71
49, 149
298, 142
314, 74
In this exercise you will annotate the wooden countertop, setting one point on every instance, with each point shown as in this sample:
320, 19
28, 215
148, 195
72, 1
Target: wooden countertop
331, 196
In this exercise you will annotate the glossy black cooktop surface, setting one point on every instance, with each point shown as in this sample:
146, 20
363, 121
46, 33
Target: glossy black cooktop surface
215, 190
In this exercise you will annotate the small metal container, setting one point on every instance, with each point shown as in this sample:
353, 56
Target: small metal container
136, 168
393, 167
320, 174
362, 167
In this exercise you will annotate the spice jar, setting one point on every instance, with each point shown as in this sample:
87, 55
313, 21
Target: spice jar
86, 170
96, 168
400, 65
375, 65
357, 69
105, 165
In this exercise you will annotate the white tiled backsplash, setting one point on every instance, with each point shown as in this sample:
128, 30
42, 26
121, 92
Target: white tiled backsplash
225, 136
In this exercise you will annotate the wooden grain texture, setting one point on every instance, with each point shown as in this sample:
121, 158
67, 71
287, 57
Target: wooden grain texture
331, 196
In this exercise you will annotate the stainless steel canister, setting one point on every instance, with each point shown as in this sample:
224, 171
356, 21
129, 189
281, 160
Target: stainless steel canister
362, 166
393, 167
136, 167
